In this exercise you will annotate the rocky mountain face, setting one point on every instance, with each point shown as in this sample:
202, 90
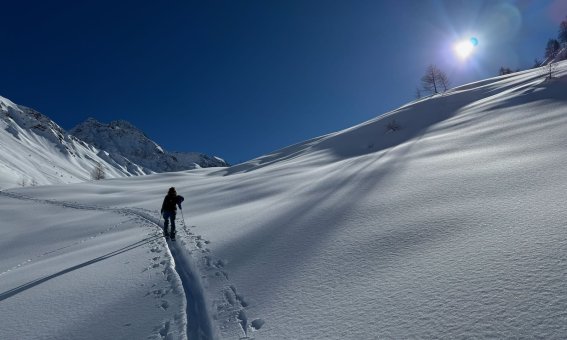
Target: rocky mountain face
37, 151
125, 143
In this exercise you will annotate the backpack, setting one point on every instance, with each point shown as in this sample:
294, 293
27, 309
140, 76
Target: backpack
169, 203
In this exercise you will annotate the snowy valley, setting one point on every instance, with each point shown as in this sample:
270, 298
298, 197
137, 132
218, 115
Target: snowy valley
452, 226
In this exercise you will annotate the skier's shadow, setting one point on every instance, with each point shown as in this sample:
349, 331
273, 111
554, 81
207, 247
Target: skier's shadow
31, 284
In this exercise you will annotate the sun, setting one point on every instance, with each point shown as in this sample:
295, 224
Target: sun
465, 48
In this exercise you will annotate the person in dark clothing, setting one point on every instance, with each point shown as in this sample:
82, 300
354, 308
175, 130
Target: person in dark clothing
169, 210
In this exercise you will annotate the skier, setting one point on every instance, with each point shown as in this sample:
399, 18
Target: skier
169, 209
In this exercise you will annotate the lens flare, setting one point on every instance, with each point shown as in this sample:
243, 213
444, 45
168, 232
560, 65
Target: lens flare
465, 48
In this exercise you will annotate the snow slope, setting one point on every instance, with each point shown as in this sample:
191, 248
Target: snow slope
84, 272
37, 151
451, 227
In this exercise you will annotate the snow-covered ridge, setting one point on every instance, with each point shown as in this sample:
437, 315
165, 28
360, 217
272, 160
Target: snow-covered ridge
376, 135
124, 142
30, 119
37, 151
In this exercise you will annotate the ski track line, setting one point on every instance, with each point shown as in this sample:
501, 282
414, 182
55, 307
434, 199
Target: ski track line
49, 252
199, 324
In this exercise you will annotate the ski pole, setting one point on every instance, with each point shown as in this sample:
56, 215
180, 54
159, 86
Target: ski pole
184, 224
183, 217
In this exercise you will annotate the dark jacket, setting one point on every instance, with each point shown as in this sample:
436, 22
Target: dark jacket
171, 202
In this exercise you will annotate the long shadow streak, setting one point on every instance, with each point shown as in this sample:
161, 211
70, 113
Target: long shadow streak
36, 282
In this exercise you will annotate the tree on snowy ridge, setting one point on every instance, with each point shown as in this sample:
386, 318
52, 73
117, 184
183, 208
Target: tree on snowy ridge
434, 80
562, 36
444, 81
504, 70
551, 49
98, 172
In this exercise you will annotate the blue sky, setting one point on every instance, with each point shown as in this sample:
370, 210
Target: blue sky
241, 78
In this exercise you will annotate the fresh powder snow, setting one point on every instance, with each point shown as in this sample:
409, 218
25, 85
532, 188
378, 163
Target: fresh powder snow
452, 226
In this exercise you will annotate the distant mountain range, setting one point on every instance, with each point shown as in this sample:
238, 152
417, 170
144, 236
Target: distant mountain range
37, 151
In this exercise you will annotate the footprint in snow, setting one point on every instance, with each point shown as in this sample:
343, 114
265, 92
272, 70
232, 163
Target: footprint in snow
257, 324
222, 274
164, 330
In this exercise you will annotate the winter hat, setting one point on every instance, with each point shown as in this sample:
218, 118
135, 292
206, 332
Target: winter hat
171, 190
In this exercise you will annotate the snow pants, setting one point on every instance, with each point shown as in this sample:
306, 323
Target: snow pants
167, 216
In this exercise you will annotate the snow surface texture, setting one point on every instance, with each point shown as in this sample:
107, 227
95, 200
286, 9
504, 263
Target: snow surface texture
452, 226
37, 151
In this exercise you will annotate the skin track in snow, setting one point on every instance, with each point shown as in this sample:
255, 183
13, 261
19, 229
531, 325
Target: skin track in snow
199, 325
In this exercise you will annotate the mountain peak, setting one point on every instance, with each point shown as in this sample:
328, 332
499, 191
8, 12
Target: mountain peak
121, 138
39, 149
124, 124
91, 120
92, 123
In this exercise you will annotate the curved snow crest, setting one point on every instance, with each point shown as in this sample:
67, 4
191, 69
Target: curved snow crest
412, 120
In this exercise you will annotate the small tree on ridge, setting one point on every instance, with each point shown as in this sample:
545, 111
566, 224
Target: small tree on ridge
98, 172
551, 49
434, 80
562, 36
